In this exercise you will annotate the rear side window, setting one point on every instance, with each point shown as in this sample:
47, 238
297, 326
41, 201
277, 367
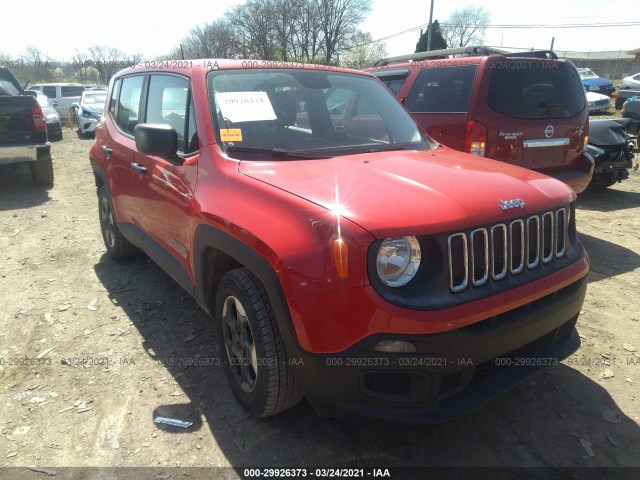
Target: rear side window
128, 103
49, 91
71, 91
442, 90
536, 90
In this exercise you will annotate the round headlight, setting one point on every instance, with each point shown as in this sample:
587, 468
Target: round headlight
398, 260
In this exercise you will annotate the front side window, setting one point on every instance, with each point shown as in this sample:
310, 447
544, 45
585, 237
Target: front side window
129, 103
442, 90
307, 114
167, 103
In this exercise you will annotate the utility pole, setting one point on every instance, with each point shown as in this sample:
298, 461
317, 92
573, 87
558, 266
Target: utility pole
429, 28
553, 40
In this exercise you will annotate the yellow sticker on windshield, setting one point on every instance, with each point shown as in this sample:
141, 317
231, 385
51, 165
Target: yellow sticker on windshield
231, 134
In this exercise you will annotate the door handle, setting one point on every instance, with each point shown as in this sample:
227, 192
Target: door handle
106, 150
136, 167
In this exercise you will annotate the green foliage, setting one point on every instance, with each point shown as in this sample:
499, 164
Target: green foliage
437, 39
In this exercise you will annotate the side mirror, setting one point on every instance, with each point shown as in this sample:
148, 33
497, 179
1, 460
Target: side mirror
54, 104
159, 139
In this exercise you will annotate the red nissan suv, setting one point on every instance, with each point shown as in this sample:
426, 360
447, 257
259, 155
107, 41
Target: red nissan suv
343, 254
526, 109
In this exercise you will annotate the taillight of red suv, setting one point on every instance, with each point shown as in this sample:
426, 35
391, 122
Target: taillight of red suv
476, 139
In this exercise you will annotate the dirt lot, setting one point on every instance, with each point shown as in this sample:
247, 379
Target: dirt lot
92, 350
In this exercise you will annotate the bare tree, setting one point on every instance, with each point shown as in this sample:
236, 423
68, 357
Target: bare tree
466, 27
109, 60
254, 22
36, 57
214, 40
338, 20
306, 41
301, 30
82, 65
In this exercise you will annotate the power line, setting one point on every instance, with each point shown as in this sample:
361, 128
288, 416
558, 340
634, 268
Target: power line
512, 26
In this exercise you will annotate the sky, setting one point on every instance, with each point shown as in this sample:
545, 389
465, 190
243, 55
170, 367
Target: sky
149, 28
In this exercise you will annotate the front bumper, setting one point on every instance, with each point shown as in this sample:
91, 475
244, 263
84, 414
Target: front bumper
23, 153
451, 373
87, 124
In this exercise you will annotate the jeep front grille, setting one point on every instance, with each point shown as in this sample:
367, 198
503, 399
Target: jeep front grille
490, 253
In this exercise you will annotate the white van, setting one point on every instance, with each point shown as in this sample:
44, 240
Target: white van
61, 95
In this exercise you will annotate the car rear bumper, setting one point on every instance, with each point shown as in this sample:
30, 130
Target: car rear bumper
23, 153
451, 373
579, 176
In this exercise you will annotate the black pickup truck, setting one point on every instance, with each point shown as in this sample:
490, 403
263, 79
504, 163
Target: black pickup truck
623, 94
23, 130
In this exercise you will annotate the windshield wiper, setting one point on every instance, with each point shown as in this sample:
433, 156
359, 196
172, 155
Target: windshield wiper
275, 152
385, 148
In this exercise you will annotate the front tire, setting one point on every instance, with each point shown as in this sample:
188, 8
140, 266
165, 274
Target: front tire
42, 171
255, 360
118, 247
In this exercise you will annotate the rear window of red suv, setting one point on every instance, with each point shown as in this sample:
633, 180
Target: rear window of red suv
524, 89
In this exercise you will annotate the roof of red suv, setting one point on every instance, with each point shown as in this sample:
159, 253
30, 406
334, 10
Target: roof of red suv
212, 64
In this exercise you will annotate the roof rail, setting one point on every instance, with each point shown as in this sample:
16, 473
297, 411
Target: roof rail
464, 51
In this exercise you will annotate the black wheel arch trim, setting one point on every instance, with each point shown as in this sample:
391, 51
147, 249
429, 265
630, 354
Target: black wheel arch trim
208, 236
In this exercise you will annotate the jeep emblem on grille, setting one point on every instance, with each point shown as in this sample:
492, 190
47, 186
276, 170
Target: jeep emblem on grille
515, 203
549, 131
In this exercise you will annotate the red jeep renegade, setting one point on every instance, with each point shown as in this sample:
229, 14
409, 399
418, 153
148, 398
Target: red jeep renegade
344, 255
526, 109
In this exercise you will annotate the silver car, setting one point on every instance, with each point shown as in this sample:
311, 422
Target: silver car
632, 82
89, 111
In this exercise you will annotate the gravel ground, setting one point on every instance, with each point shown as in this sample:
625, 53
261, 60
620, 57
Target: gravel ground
92, 350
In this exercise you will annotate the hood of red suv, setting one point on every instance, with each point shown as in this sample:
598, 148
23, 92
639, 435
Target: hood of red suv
411, 193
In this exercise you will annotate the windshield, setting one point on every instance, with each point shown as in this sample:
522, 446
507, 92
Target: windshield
94, 100
586, 73
308, 114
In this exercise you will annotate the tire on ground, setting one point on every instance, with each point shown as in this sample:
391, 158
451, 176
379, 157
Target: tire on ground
42, 171
118, 247
275, 388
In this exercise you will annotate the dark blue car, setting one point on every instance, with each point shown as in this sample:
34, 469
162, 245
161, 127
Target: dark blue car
594, 83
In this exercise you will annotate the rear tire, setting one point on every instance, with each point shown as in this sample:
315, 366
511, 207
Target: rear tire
255, 360
42, 171
118, 247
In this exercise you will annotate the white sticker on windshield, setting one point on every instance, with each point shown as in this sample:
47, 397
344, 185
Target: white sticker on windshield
245, 106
